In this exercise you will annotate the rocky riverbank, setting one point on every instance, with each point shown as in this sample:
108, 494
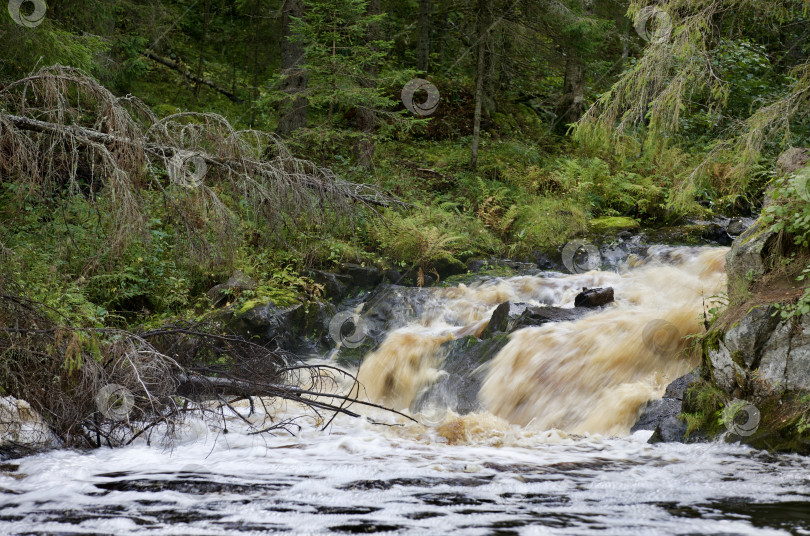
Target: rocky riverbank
753, 384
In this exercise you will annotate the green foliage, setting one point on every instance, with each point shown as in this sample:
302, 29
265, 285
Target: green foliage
547, 221
790, 211
609, 193
429, 234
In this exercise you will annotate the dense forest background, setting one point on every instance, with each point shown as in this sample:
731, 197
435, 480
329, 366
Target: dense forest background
546, 116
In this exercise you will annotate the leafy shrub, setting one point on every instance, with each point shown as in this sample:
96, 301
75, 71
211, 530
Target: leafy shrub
430, 233
547, 221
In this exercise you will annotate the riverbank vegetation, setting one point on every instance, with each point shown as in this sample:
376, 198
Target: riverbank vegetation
151, 150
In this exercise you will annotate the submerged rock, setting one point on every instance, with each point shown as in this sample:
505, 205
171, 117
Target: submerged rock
463, 370
509, 317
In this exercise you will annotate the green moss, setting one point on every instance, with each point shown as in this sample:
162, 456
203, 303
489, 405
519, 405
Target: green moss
702, 408
613, 224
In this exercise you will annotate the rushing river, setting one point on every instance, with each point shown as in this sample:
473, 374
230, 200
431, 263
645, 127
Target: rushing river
546, 451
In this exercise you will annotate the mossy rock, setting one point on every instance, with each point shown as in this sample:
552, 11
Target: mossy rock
613, 224
685, 235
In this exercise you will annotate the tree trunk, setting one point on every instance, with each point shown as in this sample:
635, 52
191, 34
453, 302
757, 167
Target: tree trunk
570, 107
366, 117
202, 45
425, 31
484, 12
571, 104
293, 111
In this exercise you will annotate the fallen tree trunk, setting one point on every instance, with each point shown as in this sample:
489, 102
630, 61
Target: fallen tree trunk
88, 136
188, 75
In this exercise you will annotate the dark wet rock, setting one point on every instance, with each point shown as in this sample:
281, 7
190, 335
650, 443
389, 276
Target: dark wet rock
509, 317
383, 309
300, 328
335, 286
476, 265
594, 297
677, 389
502, 316
462, 373
237, 282
537, 316
389, 307
394, 276
546, 261
362, 276
737, 226
661, 415
655, 412
669, 430
715, 232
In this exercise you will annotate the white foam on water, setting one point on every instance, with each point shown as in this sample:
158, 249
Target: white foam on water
478, 474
